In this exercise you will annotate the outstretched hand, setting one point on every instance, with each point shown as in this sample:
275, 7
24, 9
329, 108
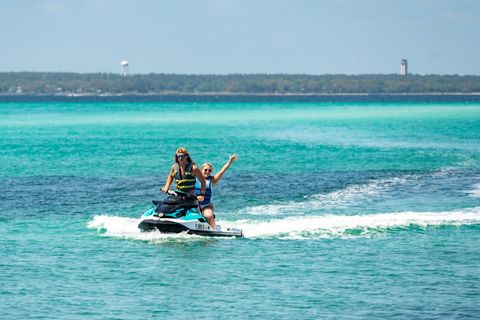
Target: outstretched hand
233, 157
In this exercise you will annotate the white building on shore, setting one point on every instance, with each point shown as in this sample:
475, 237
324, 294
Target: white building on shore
404, 67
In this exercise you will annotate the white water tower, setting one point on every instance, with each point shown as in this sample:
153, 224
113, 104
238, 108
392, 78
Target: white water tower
124, 68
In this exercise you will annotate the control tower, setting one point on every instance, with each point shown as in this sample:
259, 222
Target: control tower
404, 67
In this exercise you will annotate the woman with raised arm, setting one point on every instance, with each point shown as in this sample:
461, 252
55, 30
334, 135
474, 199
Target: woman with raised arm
206, 206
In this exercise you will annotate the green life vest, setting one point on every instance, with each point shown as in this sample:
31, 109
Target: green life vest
185, 183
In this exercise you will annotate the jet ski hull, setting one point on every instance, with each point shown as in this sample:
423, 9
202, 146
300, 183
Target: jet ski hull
168, 225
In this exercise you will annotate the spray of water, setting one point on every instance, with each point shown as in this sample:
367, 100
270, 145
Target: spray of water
309, 227
358, 225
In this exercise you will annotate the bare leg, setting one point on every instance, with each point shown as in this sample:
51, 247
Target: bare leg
208, 214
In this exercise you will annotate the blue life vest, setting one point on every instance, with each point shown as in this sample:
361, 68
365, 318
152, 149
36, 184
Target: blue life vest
208, 190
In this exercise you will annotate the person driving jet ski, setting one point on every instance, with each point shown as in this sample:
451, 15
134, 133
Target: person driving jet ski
183, 172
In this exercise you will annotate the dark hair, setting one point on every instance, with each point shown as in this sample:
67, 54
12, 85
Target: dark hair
182, 150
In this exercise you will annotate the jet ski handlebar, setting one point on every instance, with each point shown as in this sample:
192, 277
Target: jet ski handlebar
183, 194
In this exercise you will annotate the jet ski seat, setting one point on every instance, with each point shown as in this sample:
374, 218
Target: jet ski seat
175, 206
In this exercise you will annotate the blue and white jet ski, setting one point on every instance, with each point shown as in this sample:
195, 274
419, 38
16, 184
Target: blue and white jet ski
180, 213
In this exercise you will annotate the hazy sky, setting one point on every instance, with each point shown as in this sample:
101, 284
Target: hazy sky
241, 36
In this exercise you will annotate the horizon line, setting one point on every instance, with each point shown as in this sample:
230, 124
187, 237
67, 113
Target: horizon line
243, 74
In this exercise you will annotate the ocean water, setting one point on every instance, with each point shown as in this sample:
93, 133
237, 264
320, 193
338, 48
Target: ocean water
352, 208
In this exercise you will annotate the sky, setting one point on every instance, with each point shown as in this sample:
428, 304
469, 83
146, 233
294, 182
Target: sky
241, 36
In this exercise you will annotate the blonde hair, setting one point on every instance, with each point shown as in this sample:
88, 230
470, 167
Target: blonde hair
206, 164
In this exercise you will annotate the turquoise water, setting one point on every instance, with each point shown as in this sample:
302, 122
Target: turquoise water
351, 210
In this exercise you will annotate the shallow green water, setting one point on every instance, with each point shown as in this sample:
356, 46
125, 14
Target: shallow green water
350, 210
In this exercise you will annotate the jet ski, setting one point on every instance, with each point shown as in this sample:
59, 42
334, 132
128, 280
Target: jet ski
178, 213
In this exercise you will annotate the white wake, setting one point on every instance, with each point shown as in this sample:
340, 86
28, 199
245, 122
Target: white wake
346, 226
308, 227
127, 228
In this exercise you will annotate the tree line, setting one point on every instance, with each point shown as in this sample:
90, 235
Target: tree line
55, 83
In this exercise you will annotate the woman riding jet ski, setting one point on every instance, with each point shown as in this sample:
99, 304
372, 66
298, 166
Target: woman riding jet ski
179, 213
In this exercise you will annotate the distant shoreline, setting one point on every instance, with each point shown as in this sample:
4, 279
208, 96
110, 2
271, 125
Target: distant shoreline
247, 98
212, 94
260, 85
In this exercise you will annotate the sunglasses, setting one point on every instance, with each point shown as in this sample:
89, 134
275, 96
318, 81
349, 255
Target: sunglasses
207, 170
180, 156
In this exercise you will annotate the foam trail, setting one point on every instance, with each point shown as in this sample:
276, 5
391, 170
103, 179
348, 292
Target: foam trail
310, 227
127, 228
341, 225
336, 199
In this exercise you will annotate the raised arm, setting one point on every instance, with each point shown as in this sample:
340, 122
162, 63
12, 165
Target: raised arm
216, 178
